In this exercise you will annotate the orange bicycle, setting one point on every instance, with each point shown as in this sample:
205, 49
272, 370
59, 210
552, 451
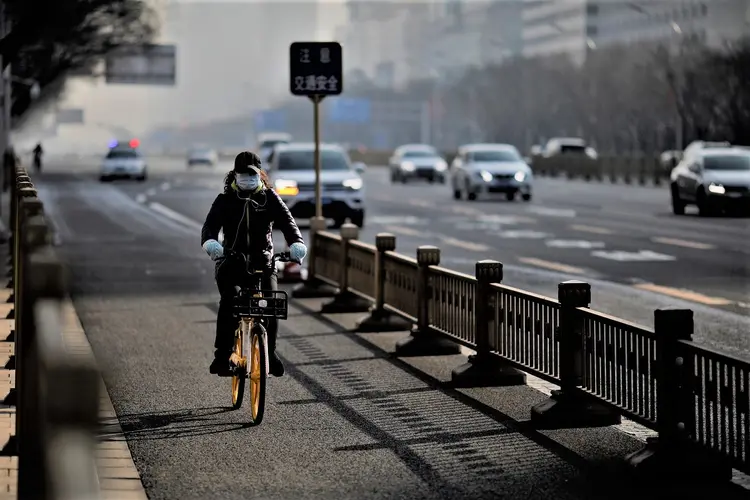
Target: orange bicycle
249, 358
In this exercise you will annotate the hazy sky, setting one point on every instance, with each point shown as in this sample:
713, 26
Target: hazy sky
232, 59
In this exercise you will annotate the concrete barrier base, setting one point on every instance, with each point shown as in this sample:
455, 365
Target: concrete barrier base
685, 462
382, 321
426, 344
486, 372
346, 302
571, 411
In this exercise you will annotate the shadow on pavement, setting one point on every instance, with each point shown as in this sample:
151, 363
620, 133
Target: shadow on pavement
184, 423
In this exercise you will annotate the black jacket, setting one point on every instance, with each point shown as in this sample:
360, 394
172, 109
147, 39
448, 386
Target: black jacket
248, 227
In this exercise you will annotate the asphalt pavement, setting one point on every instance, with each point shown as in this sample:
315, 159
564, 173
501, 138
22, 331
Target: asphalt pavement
346, 422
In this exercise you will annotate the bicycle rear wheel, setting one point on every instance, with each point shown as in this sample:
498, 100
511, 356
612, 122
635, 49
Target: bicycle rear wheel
258, 373
240, 361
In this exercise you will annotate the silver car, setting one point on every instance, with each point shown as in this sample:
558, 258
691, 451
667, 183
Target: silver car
417, 161
490, 170
291, 169
714, 179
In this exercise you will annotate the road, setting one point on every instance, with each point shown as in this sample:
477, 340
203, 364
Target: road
144, 290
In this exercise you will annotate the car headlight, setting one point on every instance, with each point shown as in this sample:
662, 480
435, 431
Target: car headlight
353, 184
286, 187
520, 176
486, 176
716, 188
408, 166
440, 166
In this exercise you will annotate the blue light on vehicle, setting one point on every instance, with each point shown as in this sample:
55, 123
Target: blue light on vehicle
113, 143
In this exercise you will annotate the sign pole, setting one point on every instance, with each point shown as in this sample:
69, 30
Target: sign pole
316, 132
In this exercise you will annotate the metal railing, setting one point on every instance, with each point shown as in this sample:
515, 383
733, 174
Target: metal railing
57, 386
607, 368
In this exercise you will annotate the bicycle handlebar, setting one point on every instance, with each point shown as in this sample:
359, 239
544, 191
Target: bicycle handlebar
277, 257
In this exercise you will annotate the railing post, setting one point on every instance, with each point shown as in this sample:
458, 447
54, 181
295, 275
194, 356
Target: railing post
569, 407
313, 287
34, 235
380, 319
672, 454
345, 300
423, 341
483, 369
22, 193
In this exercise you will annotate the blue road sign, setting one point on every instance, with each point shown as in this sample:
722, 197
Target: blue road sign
270, 120
348, 110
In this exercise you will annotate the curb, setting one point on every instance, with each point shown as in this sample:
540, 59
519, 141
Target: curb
118, 476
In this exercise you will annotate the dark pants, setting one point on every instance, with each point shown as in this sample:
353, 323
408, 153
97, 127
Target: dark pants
230, 274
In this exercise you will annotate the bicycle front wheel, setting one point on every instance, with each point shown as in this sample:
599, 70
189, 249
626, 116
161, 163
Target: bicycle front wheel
258, 374
240, 375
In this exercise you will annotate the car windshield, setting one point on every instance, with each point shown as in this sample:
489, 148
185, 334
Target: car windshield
733, 162
488, 156
272, 143
305, 160
419, 154
122, 154
572, 148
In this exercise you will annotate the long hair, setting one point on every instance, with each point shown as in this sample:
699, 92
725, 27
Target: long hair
230, 177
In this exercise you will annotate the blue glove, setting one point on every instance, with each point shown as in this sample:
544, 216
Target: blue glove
214, 249
297, 251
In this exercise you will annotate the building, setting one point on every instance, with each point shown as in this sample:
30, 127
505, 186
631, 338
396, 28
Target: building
576, 26
395, 43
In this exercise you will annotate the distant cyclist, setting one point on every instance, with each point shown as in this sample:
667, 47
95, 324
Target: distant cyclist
38, 152
247, 211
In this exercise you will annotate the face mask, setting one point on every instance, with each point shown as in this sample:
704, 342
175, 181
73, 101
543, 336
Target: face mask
247, 182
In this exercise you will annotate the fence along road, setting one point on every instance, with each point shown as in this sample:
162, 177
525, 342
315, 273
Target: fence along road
606, 367
58, 390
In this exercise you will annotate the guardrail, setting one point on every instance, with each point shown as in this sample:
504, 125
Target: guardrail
640, 169
57, 386
606, 367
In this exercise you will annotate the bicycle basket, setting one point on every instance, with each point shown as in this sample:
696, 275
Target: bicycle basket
272, 304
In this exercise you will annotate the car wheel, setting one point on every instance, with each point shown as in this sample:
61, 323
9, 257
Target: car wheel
431, 180
441, 180
394, 177
704, 206
456, 194
358, 218
142, 177
404, 179
470, 195
105, 178
526, 197
510, 196
678, 207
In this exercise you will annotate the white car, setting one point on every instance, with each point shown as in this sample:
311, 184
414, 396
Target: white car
488, 170
123, 162
714, 179
202, 156
417, 161
291, 169
267, 140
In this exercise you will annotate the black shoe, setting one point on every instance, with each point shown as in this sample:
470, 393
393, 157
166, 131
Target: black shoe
275, 366
220, 367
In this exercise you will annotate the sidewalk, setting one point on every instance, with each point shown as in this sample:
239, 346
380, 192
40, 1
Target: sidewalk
471, 433
118, 478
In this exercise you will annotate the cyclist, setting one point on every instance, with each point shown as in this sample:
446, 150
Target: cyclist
38, 152
247, 211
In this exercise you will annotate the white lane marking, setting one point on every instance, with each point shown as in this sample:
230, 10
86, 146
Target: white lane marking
591, 229
466, 245
640, 256
175, 216
465, 211
398, 220
683, 243
420, 203
552, 212
141, 198
406, 231
574, 244
554, 266
521, 233
164, 186
151, 192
